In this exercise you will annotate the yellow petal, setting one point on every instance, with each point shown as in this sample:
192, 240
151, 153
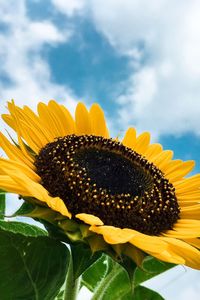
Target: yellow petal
70, 124
27, 118
83, 124
162, 159
37, 191
153, 151
187, 223
182, 234
8, 119
13, 152
188, 184
190, 196
180, 170
191, 208
172, 165
31, 137
63, 118
47, 120
190, 215
113, 235
89, 219
194, 242
142, 143
13, 165
170, 257
149, 244
190, 254
187, 203
9, 185
21, 130
129, 139
98, 123
58, 116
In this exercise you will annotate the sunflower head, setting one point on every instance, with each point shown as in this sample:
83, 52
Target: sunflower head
102, 177
127, 196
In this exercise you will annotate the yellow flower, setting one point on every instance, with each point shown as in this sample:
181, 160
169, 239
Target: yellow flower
130, 195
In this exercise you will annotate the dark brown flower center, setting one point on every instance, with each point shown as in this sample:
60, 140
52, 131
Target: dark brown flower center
102, 177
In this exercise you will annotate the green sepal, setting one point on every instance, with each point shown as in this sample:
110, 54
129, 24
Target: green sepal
119, 249
54, 231
30, 209
74, 236
84, 228
68, 225
82, 257
134, 253
97, 243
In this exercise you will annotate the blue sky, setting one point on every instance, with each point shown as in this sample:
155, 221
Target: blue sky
74, 52
141, 65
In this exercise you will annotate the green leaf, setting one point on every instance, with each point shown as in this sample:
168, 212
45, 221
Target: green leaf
143, 293
24, 209
54, 231
60, 295
115, 282
96, 272
2, 204
129, 265
82, 258
22, 228
32, 268
141, 276
115, 285
150, 268
153, 265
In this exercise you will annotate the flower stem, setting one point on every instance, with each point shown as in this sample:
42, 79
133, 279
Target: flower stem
71, 284
101, 289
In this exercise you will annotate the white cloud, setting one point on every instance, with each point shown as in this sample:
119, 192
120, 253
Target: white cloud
69, 7
21, 60
163, 38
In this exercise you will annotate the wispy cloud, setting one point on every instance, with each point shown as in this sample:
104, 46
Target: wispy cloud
69, 7
25, 74
162, 42
163, 39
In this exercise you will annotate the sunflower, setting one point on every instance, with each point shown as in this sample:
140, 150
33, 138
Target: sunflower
129, 195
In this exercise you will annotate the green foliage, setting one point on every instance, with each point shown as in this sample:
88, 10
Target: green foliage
96, 272
110, 280
25, 209
107, 280
32, 265
114, 284
150, 268
22, 228
143, 293
82, 258
2, 204
129, 265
